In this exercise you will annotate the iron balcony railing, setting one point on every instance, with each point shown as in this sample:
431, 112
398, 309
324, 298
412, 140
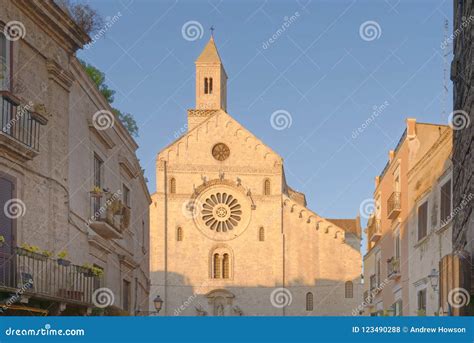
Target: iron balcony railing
28, 273
374, 230
19, 123
394, 205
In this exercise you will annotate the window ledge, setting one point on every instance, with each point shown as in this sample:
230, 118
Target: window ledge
443, 228
421, 241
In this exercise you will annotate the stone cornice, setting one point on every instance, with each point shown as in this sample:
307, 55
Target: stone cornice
59, 75
53, 20
102, 135
183, 168
445, 137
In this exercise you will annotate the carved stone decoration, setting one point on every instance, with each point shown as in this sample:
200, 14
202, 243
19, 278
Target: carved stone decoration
221, 212
220, 152
225, 212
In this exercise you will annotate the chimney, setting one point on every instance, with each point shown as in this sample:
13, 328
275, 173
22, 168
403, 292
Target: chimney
411, 127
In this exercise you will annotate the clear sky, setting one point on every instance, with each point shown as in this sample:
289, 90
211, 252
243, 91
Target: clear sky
323, 68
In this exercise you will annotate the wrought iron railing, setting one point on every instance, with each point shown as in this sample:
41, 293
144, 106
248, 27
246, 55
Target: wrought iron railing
374, 230
17, 122
393, 204
30, 273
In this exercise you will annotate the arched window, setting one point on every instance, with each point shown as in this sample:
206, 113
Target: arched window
309, 301
349, 287
261, 234
173, 185
226, 267
216, 274
210, 85
266, 187
206, 86
179, 234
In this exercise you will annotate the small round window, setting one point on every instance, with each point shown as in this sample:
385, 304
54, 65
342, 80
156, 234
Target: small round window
220, 151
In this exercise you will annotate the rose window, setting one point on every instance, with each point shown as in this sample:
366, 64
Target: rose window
221, 212
220, 151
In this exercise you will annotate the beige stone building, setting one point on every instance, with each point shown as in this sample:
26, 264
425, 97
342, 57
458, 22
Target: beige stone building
229, 236
67, 184
429, 224
403, 247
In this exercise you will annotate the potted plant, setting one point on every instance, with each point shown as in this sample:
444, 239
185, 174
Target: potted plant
96, 192
90, 270
62, 261
2, 240
32, 251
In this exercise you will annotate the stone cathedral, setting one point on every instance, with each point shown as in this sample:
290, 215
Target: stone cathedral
229, 236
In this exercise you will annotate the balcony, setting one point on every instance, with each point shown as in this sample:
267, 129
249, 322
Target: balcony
394, 205
374, 230
20, 128
109, 216
393, 268
28, 274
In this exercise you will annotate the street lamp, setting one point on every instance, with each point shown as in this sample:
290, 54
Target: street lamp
434, 279
158, 302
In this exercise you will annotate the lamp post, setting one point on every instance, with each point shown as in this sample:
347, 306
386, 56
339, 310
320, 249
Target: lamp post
158, 303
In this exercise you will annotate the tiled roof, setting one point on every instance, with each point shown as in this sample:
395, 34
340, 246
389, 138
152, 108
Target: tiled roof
348, 225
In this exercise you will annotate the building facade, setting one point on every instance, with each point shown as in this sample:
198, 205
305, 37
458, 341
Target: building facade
429, 225
394, 258
229, 236
461, 272
74, 202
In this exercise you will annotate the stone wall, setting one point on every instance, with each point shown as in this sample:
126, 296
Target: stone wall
462, 74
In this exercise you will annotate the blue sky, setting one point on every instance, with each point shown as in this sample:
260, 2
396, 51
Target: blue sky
320, 70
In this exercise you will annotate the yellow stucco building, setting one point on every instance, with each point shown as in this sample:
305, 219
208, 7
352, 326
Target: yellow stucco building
229, 236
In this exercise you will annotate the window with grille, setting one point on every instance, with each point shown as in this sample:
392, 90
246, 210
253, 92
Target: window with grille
309, 301
179, 234
349, 289
173, 185
4, 63
261, 234
266, 187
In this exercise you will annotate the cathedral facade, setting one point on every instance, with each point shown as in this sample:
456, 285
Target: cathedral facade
229, 236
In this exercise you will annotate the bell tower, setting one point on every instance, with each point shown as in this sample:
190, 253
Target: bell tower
211, 80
